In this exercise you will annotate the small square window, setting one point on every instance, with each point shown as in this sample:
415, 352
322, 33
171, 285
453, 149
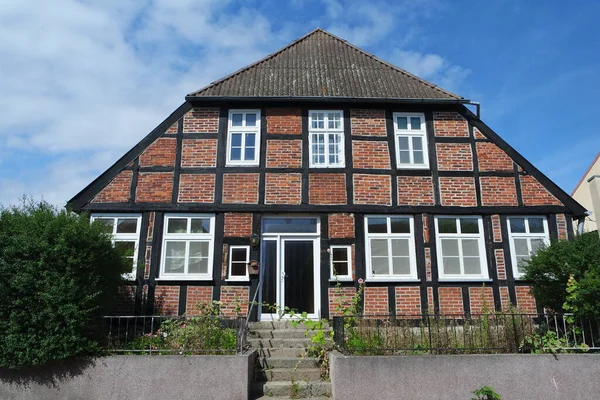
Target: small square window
239, 257
243, 137
341, 262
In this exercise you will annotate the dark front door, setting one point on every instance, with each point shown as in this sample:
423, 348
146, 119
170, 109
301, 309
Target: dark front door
298, 275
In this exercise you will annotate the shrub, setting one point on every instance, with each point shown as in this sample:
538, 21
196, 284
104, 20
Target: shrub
57, 272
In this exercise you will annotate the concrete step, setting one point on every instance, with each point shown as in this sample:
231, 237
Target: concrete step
279, 324
281, 352
279, 342
288, 362
281, 333
297, 390
288, 397
289, 374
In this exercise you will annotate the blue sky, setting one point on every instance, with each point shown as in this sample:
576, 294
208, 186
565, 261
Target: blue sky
84, 81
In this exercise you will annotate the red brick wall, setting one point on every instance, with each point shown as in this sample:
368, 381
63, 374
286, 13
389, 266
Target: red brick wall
505, 298
199, 153
284, 120
451, 301
197, 295
430, 302
202, 120
283, 188
196, 188
428, 264
450, 124
327, 189
284, 153
492, 158
498, 191
458, 191
500, 263
172, 128
238, 224
154, 187
368, 122
370, 154
234, 300
561, 226
340, 298
525, 300
376, 301
497, 228
166, 300
117, 191
482, 300
372, 189
341, 225
477, 133
534, 194
425, 228
454, 156
161, 153
240, 188
415, 190
408, 300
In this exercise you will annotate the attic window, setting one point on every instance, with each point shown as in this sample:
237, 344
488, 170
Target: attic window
411, 140
243, 137
326, 139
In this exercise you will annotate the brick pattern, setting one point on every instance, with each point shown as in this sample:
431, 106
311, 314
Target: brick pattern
117, 191
327, 189
496, 228
284, 153
372, 189
430, 302
166, 300
535, 194
340, 298
425, 228
451, 300
147, 262
408, 301
154, 187
428, 264
458, 191
525, 300
240, 188
454, 156
492, 158
283, 188
370, 154
172, 128
481, 300
161, 153
201, 120
196, 188
376, 301
238, 224
500, 263
561, 226
196, 296
368, 122
450, 124
284, 120
415, 190
234, 301
150, 232
477, 133
505, 302
340, 226
498, 191
199, 153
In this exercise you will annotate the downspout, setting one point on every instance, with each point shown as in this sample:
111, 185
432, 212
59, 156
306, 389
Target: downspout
477, 108
580, 223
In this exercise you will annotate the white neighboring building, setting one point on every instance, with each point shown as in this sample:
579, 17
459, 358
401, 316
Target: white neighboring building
587, 193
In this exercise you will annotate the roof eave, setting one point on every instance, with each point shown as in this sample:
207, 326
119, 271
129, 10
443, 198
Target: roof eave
325, 99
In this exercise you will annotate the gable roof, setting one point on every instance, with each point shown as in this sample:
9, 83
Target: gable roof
583, 178
322, 65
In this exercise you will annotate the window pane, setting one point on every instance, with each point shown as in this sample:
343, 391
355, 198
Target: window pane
521, 248
200, 225
127, 225
537, 244
333, 159
334, 121
379, 247
107, 222
401, 266
177, 225
377, 225
447, 225
415, 123
517, 225
469, 225
470, 248
236, 140
403, 142
472, 266
536, 225
249, 154
405, 157
451, 265
174, 265
127, 248
418, 156
340, 254
450, 247
236, 119
250, 140
340, 268
238, 255
250, 119
521, 263
290, 225
198, 265
380, 265
400, 225
402, 122
400, 247
198, 249
175, 249
417, 143
238, 269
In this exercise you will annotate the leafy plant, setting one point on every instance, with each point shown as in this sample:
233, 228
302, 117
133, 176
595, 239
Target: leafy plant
486, 393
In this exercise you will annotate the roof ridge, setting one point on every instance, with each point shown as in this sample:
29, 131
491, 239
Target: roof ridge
585, 174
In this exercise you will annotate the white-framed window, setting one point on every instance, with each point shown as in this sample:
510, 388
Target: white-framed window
125, 230
411, 140
340, 262
326, 139
526, 236
239, 257
188, 246
243, 137
461, 248
390, 247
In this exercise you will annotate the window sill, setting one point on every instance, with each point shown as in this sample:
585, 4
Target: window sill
237, 280
392, 279
464, 279
341, 279
184, 278
242, 165
412, 167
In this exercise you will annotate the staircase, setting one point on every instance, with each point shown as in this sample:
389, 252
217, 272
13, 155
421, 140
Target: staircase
281, 371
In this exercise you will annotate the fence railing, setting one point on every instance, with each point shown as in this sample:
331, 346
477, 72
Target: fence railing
158, 334
464, 334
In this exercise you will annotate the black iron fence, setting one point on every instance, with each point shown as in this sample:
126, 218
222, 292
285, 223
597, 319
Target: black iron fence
465, 334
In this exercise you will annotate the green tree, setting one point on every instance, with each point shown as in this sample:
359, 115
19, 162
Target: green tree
57, 272
552, 267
